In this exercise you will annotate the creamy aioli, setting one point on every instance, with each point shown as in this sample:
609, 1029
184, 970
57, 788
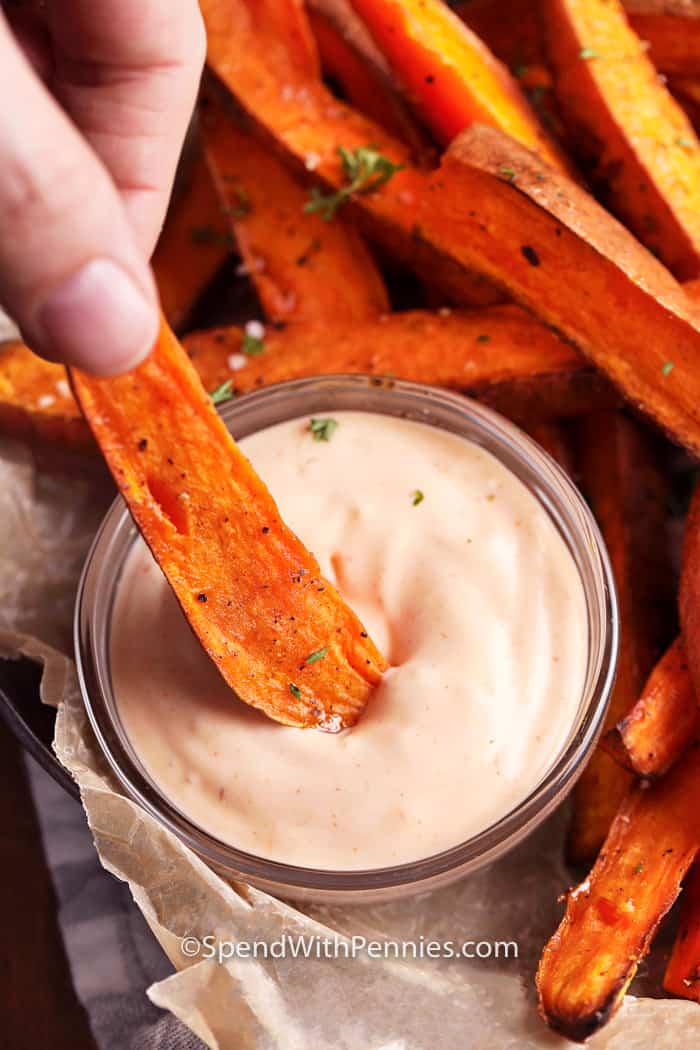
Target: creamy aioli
471, 594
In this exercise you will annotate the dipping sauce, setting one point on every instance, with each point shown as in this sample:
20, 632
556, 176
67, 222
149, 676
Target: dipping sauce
467, 587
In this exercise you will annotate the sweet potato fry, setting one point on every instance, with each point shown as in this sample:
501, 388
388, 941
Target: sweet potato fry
493, 207
682, 975
248, 54
568, 261
249, 588
499, 355
304, 269
518, 42
193, 245
450, 74
632, 136
689, 590
661, 723
671, 29
351, 59
622, 479
611, 918
36, 402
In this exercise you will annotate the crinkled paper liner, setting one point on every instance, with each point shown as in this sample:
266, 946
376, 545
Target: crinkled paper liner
288, 1004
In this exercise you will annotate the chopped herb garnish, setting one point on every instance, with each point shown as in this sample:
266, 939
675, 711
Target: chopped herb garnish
587, 53
638, 868
223, 393
241, 207
252, 345
520, 71
683, 140
507, 173
295, 690
667, 368
365, 169
322, 429
320, 654
483, 338
417, 497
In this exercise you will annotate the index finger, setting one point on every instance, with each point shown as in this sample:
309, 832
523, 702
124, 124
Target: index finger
127, 71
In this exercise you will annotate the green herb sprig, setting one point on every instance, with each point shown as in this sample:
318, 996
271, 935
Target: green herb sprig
322, 429
320, 654
252, 345
365, 169
223, 393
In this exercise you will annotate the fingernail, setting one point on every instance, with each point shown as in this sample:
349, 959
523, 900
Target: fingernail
99, 320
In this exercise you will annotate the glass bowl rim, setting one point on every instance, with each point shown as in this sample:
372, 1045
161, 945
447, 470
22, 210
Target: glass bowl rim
487, 845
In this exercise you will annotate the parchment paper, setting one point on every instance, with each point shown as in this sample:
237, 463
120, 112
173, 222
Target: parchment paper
285, 1004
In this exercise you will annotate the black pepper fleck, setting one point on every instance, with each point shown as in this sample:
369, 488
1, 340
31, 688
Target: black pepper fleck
143, 444
530, 254
201, 597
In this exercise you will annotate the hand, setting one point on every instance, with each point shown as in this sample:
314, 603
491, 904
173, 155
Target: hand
96, 98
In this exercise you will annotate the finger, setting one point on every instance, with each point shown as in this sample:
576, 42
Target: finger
127, 71
31, 33
71, 273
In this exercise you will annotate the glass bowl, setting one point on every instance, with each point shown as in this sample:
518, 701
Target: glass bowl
572, 518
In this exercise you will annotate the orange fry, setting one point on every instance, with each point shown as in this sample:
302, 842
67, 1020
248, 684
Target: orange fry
304, 269
611, 918
350, 58
451, 74
632, 135
682, 975
622, 479
193, 245
658, 728
499, 355
249, 588
492, 207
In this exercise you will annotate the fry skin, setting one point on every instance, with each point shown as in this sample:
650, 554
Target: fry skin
250, 590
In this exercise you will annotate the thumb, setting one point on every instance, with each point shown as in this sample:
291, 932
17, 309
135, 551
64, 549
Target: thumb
71, 274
